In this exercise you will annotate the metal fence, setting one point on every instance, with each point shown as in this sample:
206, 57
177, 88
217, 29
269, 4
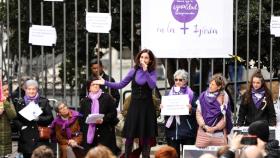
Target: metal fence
52, 66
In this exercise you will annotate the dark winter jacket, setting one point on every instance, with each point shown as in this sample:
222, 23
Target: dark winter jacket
105, 132
29, 136
248, 113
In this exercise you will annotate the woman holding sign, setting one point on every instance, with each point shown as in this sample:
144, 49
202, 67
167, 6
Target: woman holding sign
28, 124
181, 129
102, 129
213, 114
140, 121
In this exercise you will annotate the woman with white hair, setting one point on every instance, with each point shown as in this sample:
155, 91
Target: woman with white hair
181, 129
29, 135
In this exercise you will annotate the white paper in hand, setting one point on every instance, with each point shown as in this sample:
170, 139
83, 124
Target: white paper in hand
175, 105
93, 117
31, 111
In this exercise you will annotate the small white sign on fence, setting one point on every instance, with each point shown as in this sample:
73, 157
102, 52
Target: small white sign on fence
42, 35
98, 22
275, 26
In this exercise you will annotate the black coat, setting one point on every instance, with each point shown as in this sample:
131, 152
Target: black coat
105, 132
248, 113
29, 137
114, 92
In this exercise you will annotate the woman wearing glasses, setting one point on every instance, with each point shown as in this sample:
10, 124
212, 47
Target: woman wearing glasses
213, 114
67, 131
181, 130
102, 131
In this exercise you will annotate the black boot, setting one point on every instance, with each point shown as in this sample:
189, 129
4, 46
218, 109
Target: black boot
146, 149
128, 149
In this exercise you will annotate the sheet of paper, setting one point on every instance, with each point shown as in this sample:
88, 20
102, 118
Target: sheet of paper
175, 105
93, 117
98, 22
42, 35
31, 111
275, 26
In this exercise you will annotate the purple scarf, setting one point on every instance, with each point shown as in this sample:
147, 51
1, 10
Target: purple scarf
94, 110
211, 110
28, 99
65, 124
257, 96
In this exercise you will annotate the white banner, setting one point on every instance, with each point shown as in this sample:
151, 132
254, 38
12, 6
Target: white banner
42, 35
98, 22
187, 28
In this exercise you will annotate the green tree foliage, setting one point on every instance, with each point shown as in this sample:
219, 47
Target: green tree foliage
254, 32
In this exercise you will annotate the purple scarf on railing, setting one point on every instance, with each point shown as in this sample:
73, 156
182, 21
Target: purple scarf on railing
257, 96
65, 124
28, 99
211, 110
94, 110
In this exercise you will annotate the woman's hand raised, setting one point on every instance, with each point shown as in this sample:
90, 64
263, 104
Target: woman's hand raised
101, 81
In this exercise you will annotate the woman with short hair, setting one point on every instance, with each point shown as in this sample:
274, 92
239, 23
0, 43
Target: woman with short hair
181, 129
29, 135
103, 130
67, 130
213, 114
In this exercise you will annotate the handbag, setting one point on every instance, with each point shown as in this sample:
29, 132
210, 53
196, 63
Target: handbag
44, 132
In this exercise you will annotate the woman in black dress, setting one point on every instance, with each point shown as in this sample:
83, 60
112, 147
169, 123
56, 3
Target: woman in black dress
141, 116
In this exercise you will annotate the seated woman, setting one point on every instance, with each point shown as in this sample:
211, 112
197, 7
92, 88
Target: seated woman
103, 130
181, 129
29, 135
257, 103
67, 130
213, 114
